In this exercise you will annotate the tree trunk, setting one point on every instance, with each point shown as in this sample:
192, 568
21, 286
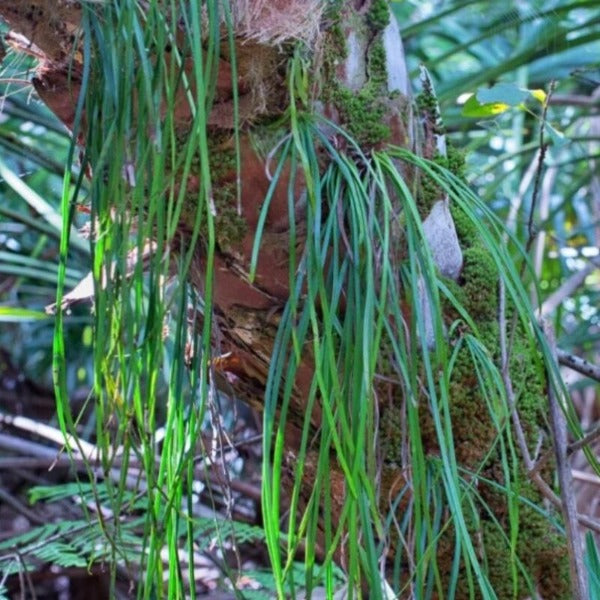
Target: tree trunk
354, 59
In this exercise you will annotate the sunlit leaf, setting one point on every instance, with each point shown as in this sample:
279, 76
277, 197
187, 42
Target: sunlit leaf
539, 95
474, 108
15, 314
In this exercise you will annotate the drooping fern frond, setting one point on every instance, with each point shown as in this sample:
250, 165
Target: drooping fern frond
68, 543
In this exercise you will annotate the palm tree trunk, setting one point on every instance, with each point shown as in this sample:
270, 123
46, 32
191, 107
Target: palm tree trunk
359, 82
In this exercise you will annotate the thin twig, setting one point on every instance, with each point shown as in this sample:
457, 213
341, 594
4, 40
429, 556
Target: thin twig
15, 81
39, 451
531, 234
565, 290
22, 463
515, 205
548, 182
565, 479
17, 505
539, 169
531, 468
587, 477
584, 441
505, 361
52, 434
575, 100
578, 364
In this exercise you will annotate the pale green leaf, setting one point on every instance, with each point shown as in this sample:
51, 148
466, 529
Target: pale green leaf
503, 93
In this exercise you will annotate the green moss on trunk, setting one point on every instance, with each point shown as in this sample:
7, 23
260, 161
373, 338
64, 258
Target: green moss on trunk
540, 548
362, 112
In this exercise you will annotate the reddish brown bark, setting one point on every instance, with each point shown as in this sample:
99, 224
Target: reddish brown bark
247, 314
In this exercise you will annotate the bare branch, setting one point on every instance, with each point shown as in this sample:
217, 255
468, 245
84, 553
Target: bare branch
587, 477
565, 478
584, 441
565, 290
532, 469
52, 434
16, 504
505, 360
578, 364
574, 100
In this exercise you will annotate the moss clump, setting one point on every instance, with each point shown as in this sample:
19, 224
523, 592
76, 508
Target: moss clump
363, 112
543, 551
377, 66
540, 550
448, 309
221, 154
529, 383
391, 438
474, 430
336, 42
230, 227
456, 162
427, 105
465, 228
480, 277
378, 16
361, 115
429, 191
